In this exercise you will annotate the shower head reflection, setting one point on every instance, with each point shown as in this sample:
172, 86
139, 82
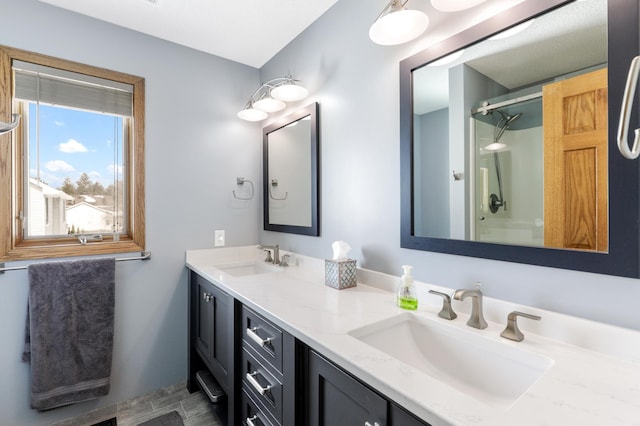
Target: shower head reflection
503, 124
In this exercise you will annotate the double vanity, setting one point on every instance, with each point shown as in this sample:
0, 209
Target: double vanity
286, 349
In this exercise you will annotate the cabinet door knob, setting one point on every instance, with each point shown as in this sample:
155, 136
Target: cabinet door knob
371, 424
207, 297
257, 386
251, 419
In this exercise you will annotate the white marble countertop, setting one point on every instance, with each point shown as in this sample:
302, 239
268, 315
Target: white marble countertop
594, 378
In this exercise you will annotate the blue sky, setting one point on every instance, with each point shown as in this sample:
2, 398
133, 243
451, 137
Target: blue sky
73, 142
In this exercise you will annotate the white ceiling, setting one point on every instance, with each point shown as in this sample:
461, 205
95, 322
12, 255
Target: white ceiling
246, 31
566, 40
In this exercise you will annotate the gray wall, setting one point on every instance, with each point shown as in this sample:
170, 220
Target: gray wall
356, 84
195, 148
432, 208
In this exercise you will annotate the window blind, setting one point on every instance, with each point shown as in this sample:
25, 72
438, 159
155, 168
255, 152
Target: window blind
38, 83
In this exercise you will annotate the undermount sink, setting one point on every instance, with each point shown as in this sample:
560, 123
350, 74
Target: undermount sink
493, 372
249, 268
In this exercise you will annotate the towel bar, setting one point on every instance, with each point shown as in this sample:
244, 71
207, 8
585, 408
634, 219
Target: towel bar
145, 255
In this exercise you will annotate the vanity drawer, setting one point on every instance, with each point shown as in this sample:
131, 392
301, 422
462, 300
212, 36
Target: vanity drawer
263, 337
251, 413
261, 385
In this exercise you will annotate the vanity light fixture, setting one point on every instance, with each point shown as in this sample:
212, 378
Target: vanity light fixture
454, 5
397, 25
271, 97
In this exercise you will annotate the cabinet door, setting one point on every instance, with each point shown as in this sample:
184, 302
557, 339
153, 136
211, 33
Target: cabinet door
337, 399
400, 417
204, 320
214, 329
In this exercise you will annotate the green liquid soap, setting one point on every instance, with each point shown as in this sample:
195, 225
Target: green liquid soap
408, 303
406, 293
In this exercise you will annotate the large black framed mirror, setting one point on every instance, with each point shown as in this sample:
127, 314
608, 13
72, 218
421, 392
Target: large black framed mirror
290, 150
503, 164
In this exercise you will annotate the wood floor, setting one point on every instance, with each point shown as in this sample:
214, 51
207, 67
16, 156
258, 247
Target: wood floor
194, 409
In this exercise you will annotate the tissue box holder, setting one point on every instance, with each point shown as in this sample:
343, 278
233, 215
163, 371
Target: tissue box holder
340, 274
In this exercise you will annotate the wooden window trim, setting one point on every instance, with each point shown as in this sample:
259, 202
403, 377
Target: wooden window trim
12, 245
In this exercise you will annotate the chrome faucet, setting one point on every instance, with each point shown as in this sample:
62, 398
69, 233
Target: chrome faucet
276, 253
476, 320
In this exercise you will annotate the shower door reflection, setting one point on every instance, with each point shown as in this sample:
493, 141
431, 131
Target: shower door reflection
509, 193
540, 165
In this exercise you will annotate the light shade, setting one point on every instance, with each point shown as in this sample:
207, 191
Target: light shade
271, 97
252, 114
289, 92
446, 59
495, 146
397, 25
512, 31
268, 104
454, 5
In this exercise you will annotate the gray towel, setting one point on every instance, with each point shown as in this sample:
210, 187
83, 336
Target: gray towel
71, 307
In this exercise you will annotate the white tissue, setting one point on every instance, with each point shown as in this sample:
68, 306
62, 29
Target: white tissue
340, 250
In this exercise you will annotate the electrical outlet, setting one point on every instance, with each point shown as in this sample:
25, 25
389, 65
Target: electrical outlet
219, 238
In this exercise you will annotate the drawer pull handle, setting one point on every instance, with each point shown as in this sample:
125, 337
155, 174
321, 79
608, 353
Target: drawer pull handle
371, 424
250, 420
255, 384
251, 332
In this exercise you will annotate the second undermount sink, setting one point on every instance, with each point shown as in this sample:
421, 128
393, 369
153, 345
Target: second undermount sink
249, 268
493, 372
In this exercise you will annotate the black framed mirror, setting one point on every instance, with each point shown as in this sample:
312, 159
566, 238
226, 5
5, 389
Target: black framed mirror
290, 150
483, 184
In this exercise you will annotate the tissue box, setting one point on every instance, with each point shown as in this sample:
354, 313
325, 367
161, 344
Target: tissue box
340, 273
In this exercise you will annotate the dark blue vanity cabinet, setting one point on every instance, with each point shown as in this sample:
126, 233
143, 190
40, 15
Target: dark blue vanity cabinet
267, 370
242, 362
212, 342
335, 398
257, 374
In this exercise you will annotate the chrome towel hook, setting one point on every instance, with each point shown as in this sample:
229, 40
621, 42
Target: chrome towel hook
625, 113
7, 127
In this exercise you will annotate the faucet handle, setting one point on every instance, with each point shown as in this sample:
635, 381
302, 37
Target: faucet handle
447, 311
269, 259
512, 332
285, 260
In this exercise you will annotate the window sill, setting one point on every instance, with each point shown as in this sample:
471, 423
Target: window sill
36, 250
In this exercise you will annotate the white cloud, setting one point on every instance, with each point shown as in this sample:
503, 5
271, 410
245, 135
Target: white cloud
59, 166
94, 174
49, 178
59, 123
72, 146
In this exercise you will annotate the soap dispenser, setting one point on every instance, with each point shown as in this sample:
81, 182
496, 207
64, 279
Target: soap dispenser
406, 294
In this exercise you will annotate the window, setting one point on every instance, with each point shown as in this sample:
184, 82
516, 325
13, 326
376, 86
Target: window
75, 164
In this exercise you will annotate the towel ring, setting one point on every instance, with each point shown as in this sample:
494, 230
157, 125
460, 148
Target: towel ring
241, 181
274, 182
